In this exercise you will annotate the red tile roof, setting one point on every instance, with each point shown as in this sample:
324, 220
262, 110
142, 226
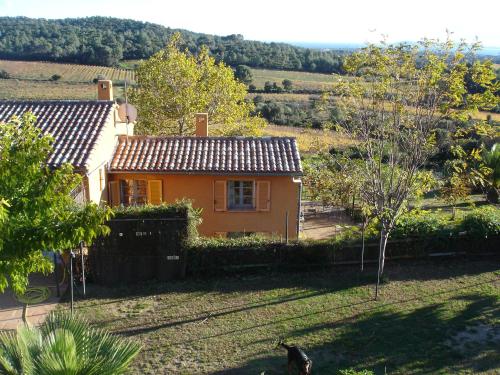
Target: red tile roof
75, 125
207, 155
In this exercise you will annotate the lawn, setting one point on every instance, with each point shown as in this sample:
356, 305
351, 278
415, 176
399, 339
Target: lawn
432, 318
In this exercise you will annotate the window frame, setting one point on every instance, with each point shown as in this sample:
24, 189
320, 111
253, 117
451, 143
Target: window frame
240, 206
137, 199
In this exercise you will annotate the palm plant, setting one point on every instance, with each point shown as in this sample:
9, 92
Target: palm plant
491, 159
64, 345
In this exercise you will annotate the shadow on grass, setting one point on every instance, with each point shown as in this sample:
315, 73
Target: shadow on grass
330, 279
406, 341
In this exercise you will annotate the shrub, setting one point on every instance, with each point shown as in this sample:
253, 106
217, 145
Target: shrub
4, 74
356, 372
182, 208
482, 222
55, 77
420, 223
250, 242
64, 344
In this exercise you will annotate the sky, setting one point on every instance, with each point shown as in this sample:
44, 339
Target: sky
323, 21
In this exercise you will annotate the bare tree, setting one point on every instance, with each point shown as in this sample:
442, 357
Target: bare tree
394, 97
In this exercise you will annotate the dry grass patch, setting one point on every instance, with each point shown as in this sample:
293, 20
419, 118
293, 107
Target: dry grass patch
310, 140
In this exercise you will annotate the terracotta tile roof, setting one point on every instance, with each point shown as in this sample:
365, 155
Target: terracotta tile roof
207, 155
75, 125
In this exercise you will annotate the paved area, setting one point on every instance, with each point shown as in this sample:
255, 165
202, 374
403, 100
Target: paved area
320, 224
11, 310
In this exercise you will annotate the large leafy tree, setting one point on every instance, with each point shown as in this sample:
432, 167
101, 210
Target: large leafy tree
173, 85
41, 214
64, 344
393, 97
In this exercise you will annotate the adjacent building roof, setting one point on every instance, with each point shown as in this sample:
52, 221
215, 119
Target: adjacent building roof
75, 125
207, 155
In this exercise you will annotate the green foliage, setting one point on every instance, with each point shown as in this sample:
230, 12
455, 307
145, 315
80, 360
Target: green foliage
491, 159
394, 100
356, 372
55, 77
152, 211
287, 85
243, 74
182, 208
106, 41
41, 213
308, 112
422, 223
64, 345
174, 85
253, 241
482, 222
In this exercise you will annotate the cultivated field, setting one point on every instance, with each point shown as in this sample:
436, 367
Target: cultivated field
310, 140
300, 80
23, 89
35, 70
432, 318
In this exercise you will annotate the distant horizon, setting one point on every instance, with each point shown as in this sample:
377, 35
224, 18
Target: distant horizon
488, 50
317, 23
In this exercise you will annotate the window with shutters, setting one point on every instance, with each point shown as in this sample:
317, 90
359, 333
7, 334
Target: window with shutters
133, 192
240, 195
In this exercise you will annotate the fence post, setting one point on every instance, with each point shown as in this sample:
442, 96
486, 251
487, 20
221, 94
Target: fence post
56, 275
71, 280
83, 267
286, 227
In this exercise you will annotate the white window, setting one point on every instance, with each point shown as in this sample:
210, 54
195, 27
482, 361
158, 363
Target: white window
240, 195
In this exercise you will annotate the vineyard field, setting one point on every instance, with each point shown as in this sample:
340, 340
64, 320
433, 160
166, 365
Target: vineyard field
40, 71
21, 89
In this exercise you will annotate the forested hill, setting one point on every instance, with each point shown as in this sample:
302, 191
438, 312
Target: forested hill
106, 41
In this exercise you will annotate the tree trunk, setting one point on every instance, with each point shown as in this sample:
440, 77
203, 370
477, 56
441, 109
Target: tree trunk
381, 258
453, 212
363, 246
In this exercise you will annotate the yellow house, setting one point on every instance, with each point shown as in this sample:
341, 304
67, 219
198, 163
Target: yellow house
243, 185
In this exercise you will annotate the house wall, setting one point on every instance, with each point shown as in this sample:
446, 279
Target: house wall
102, 152
200, 189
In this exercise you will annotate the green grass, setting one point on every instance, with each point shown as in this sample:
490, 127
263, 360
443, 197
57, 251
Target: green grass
230, 325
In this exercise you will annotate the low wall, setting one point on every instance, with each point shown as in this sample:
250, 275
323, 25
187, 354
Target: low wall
205, 260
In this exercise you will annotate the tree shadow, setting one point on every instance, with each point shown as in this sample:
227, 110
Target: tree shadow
326, 278
407, 341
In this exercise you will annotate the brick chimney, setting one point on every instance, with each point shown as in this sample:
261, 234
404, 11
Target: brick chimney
201, 125
104, 89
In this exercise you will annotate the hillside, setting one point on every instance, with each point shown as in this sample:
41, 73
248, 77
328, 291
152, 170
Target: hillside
107, 41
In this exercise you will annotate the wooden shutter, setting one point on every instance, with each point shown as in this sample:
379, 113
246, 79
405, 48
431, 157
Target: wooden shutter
114, 193
220, 196
155, 193
263, 195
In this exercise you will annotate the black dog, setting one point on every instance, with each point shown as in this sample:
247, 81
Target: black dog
296, 355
